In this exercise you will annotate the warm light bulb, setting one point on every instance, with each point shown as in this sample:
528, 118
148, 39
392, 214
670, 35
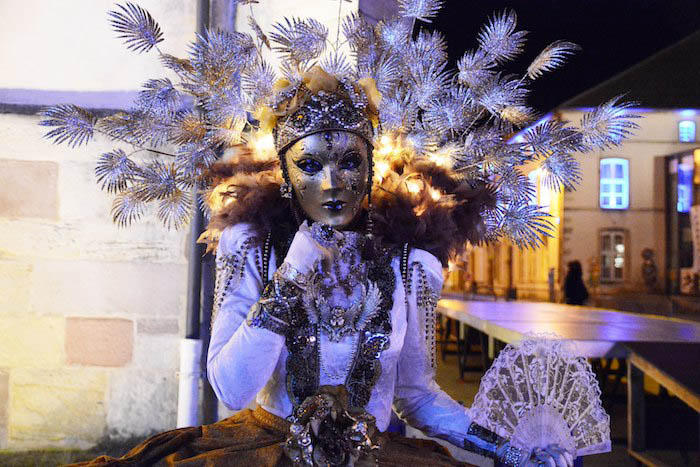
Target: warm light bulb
413, 186
381, 168
435, 194
444, 156
386, 146
439, 159
263, 144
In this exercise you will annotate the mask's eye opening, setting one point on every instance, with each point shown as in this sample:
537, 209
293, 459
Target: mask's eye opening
351, 161
309, 166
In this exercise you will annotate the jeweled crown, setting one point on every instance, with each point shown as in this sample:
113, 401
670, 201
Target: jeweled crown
323, 111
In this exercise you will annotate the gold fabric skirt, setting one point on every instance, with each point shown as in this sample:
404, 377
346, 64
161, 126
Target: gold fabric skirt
256, 438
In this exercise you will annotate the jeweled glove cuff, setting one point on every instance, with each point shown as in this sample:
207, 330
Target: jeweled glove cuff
271, 315
287, 272
510, 455
273, 310
488, 444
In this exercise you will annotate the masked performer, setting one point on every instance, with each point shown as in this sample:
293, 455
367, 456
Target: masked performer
328, 318
330, 240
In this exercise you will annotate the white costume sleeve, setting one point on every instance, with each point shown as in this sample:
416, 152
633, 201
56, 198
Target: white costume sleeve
418, 399
241, 358
249, 327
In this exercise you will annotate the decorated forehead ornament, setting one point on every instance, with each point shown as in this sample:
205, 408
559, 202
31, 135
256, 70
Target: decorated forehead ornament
324, 111
395, 89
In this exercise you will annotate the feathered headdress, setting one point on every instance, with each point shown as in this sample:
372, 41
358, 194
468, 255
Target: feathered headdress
446, 171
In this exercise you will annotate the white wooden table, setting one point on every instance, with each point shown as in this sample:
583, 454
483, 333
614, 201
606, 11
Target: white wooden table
597, 332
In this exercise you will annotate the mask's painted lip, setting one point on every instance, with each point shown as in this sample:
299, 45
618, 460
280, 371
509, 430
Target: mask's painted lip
336, 205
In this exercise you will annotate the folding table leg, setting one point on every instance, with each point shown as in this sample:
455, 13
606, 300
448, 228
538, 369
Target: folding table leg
485, 361
462, 347
470, 334
603, 376
617, 379
636, 434
445, 338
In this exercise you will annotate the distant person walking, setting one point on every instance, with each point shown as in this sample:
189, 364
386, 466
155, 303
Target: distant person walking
575, 291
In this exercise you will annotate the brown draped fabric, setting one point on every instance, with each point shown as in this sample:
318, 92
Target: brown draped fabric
256, 438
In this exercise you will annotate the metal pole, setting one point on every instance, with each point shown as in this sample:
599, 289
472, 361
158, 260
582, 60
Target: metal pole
194, 273
210, 403
191, 345
222, 16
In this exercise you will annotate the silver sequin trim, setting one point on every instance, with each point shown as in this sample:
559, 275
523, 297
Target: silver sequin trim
229, 272
427, 296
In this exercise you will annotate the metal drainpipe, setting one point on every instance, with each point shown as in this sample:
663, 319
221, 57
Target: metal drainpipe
210, 403
191, 345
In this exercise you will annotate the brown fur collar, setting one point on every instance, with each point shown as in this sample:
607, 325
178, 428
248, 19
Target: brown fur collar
416, 202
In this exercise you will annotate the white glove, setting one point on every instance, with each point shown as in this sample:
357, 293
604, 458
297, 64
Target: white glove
306, 249
550, 456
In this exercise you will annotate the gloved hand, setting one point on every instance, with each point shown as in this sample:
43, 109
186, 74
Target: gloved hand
312, 244
550, 456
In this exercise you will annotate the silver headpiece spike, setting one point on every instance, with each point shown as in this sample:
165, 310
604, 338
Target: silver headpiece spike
395, 90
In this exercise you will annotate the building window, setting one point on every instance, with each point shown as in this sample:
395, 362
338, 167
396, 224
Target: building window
612, 255
686, 131
685, 168
614, 183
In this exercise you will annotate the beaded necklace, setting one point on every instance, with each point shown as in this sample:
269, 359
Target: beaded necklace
303, 363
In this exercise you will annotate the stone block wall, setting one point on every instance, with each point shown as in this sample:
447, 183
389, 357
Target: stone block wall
90, 314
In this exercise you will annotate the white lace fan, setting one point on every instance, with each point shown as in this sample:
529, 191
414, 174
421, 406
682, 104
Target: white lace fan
540, 392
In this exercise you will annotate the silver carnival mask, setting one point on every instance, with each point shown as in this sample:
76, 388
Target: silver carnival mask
328, 172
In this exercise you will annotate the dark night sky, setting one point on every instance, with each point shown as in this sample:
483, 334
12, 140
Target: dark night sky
614, 34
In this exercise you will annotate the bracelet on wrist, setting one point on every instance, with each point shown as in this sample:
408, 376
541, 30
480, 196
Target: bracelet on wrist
289, 273
511, 456
488, 444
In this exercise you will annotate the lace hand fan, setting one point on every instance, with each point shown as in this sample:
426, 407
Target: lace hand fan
541, 392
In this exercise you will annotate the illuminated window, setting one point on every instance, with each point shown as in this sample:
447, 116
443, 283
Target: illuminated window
612, 255
685, 183
614, 183
686, 131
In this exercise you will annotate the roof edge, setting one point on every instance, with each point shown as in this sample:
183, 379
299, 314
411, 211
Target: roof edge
632, 69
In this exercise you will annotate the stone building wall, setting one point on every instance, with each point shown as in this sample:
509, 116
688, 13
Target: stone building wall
90, 314
579, 224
